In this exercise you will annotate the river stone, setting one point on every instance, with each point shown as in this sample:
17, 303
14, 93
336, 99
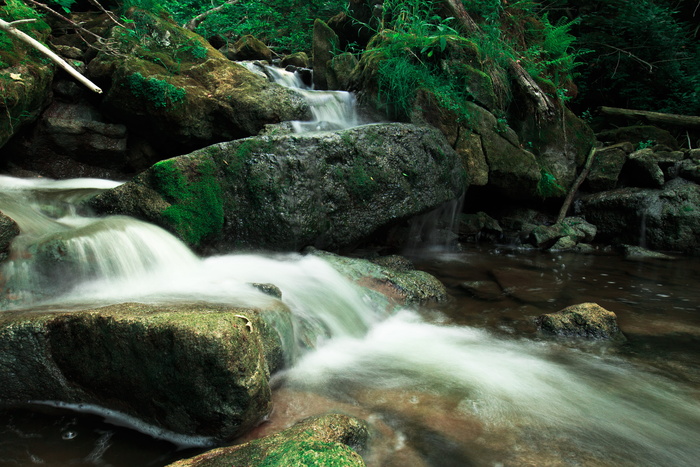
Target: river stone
606, 167
642, 170
8, 231
588, 320
665, 219
322, 441
394, 278
248, 48
191, 369
288, 191
690, 170
324, 42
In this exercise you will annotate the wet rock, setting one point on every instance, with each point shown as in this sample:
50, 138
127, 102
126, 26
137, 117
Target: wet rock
269, 289
666, 219
483, 290
325, 40
689, 169
573, 229
393, 278
8, 231
642, 170
528, 285
297, 60
474, 227
588, 320
289, 191
190, 369
637, 253
326, 440
339, 71
607, 166
248, 48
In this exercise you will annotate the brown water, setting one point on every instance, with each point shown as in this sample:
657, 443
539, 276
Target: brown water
470, 382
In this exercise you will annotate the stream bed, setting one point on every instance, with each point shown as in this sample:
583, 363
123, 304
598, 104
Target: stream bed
464, 383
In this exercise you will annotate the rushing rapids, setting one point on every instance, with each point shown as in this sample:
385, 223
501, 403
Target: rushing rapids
437, 393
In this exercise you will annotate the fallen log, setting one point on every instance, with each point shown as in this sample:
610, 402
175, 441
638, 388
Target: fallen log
658, 118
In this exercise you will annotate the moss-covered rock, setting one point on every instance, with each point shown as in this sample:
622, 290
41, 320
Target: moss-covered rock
322, 441
248, 48
588, 320
660, 219
178, 92
394, 277
8, 231
325, 41
288, 191
190, 369
606, 167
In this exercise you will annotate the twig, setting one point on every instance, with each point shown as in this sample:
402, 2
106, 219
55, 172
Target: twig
572, 192
63, 18
109, 14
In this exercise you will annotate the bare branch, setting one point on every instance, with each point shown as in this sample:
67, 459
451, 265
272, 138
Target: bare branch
10, 29
63, 18
197, 20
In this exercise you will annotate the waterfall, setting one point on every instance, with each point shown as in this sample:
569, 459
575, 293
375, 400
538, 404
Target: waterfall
66, 259
330, 110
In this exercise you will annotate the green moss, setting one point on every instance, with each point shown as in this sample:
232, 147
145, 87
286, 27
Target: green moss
158, 92
196, 210
548, 187
311, 453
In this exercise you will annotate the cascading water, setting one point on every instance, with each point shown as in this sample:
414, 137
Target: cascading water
454, 395
331, 110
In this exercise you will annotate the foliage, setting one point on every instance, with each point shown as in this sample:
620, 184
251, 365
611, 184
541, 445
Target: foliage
645, 56
548, 187
285, 25
12, 51
158, 92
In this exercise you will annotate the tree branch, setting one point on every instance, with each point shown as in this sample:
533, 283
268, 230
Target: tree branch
63, 18
197, 20
574, 188
10, 29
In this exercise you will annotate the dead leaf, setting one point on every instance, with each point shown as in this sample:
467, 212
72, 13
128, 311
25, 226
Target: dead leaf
16, 76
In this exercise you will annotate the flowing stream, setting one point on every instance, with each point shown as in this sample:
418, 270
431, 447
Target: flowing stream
330, 110
464, 383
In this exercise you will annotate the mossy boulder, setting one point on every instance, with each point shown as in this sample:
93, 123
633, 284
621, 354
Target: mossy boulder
190, 369
288, 191
248, 48
175, 90
330, 440
660, 219
587, 320
606, 167
325, 41
392, 276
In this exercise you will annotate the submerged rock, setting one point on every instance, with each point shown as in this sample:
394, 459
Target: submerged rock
286, 191
193, 370
588, 320
326, 440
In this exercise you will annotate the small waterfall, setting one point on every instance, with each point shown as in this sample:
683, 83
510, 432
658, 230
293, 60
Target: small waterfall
67, 260
437, 229
331, 110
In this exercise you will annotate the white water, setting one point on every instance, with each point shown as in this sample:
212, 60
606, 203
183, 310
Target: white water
331, 110
548, 397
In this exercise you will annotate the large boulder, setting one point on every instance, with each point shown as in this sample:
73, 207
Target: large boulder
660, 219
194, 370
321, 441
284, 192
175, 90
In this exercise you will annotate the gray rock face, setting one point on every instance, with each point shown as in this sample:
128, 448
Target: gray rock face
192, 370
665, 219
288, 191
588, 320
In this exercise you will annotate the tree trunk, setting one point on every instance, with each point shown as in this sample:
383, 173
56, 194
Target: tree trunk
682, 121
